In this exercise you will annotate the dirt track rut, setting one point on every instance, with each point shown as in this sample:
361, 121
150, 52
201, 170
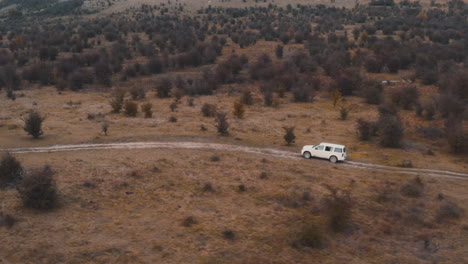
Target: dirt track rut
232, 148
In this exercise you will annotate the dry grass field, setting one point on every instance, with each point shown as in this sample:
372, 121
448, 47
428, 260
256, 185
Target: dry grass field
210, 207
132, 206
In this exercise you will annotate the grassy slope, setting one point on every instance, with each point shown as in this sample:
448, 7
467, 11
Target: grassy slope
138, 219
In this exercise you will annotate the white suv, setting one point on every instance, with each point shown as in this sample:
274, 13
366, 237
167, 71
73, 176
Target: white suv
332, 152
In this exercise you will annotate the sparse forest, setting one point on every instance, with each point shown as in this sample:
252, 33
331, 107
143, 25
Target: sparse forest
389, 79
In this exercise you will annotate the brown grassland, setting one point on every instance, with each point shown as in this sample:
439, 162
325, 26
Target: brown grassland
201, 206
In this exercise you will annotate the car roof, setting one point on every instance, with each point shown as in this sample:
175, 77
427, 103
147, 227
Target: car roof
332, 145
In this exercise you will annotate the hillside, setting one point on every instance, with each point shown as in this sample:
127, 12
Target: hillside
226, 93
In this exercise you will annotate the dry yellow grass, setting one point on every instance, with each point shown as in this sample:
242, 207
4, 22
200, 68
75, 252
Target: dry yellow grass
137, 218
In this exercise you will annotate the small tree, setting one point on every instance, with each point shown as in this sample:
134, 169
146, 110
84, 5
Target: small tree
268, 98
131, 109
221, 124
238, 110
246, 97
117, 101
289, 135
338, 205
163, 88
147, 109
105, 127
344, 111
173, 106
10, 170
37, 189
390, 130
336, 96
279, 51
365, 129
33, 124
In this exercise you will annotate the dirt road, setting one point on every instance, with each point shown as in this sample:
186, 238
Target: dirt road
233, 148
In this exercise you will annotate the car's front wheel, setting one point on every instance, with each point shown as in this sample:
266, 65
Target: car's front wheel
307, 155
333, 159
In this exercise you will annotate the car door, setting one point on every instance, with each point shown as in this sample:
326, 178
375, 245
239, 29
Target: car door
327, 152
317, 151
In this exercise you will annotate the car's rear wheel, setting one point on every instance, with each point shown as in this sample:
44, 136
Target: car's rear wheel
307, 155
333, 159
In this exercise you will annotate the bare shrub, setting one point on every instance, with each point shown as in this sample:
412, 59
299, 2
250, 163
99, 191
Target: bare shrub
105, 127
448, 210
208, 188
131, 109
229, 234
289, 135
221, 124
10, 170
279, 51
344, 111
238, 110
371, 90
163, 88
7, 220
414, 188
338, 206
455, 135
365, 129
147, 109
173, 106
33, 124
208, 110
312, 236
406, 164
246, 97
172, 119
303, 93
409, 97
189, 221
268, 98
390, 131
214, 158
37, 189
137, 93
430, 132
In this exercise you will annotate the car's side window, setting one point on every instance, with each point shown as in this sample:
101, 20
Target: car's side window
328, 148
318, 148
339, 150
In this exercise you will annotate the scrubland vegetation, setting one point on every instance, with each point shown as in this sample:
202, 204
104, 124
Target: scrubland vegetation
387, 78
